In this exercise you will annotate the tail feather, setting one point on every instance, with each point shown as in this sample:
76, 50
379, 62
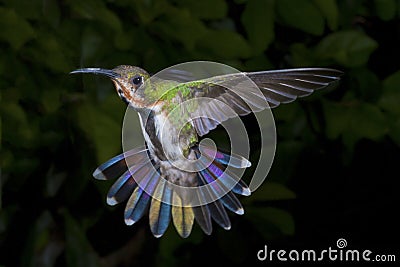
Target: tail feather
116, 166
228, 199
216, 208
203, 218
218, 213
123, 187
140, 181
182, 217
232, 203
227, 178
160, 211
140, 199
233, 160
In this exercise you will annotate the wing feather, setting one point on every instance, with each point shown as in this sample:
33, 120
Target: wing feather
233, 94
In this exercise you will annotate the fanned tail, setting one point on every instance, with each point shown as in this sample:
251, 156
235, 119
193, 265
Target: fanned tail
140, 181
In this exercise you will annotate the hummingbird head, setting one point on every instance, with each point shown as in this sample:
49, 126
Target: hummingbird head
127, 80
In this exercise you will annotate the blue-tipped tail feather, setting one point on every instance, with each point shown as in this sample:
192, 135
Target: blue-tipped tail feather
140, 181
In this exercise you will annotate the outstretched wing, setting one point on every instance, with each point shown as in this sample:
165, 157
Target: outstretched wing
241, 93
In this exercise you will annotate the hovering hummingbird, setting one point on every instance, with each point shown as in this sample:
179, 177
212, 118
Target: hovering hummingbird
158, 176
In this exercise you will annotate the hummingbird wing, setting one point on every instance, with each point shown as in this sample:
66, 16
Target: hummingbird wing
250, 92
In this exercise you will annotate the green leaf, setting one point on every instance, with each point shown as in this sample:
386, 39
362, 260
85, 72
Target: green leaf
258, 20
301, 55
52, 52
348, 48
79, 252
354, 121
302, 15
330, 11
366, 84
368, 121
258, 62
271, 191
205, 9
26, 9
101, 129
216, 42
41, 247
51, 99
181, 26
148, 11
271, 221
125, 40
14, 117
14, 29
96, 10
386, 9
337, 120
390, 100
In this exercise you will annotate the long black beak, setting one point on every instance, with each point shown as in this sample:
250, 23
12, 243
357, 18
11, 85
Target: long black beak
109, 73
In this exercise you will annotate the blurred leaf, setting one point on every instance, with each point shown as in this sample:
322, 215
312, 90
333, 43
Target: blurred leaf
301, 55
42, 248
125, 40
337, 120
91, 43
271, 221
368, 121
96, 10
51, 52
254, 63
215, 41
54, 182
14, 29
349, 48
205, 9
78, 249
102, 130
51, 12
390, 100
26, 9
270, 191
148, 11
366, 84
330, 10
258, 20
386, 9
302, 15
51, 99
181, 26
14, 117
354, 120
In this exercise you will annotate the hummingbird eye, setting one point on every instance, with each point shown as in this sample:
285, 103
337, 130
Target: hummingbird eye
137, 80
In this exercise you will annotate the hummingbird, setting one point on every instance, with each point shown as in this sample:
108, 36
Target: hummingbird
158, 177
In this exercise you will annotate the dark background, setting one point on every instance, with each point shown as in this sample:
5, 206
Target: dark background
336, 169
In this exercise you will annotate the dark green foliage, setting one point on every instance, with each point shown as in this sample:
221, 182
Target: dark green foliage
336, 150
